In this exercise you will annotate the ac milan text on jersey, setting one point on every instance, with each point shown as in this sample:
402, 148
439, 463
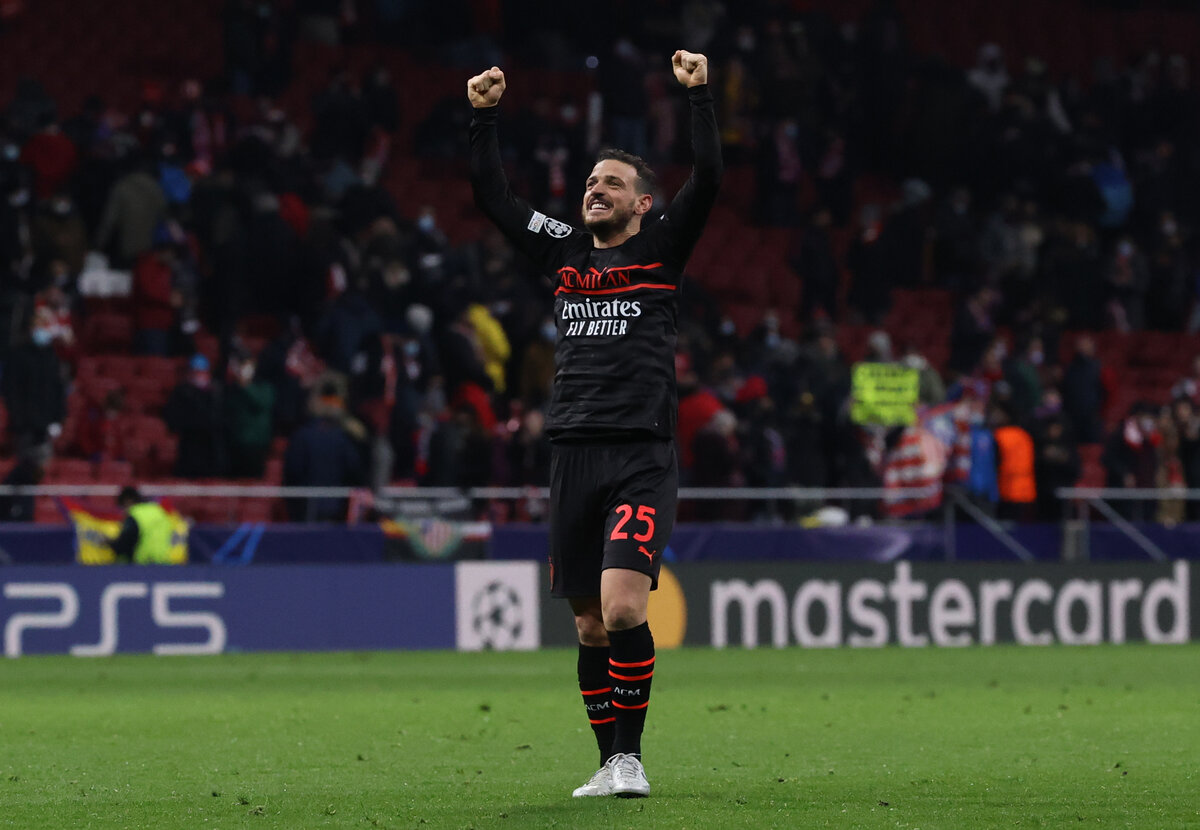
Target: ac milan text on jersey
615, 308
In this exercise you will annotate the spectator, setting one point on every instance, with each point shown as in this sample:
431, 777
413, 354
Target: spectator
1083, 392
494, 349
29, 471
147, 534
1128, 279
325, 452
1131, 457
972, 331
982, 484
1187, 428
59, 239
1057, 461
812, 261
907, 236
135, 208
461, 450
779, 172
35, 394
761, 445
716, 462
879, 347
1071, 272
249, 410
1021, 373
931, 389
697, 406
623, 87
340, 120
193, 412
381, 100
348, 336
292, 368
51, 156
1168, 295
914, 467
529, 451
805, 434
462, 352
1171, 509
989, 76
1016, 480
867, 259
956, 243
154, 306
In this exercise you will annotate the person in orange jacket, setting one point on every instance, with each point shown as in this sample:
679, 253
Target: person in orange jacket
1014, 467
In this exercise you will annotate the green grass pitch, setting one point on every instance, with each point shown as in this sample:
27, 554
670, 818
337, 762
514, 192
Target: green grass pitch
972, 738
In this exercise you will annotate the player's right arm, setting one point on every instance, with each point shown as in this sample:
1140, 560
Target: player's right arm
515, 218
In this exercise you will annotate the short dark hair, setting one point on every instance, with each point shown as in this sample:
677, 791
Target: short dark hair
646, 179
128, 495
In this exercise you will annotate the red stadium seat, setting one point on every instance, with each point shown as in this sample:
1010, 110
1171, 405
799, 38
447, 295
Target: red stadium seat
69, 471
114, 472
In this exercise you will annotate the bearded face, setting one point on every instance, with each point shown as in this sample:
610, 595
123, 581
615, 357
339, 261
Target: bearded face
611, 200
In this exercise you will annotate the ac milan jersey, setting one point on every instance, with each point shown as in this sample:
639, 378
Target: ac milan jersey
615, 308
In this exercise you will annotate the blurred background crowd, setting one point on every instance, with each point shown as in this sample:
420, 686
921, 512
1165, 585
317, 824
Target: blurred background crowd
258, 259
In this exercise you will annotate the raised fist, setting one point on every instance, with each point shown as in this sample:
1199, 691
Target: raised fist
691, 68
485, 89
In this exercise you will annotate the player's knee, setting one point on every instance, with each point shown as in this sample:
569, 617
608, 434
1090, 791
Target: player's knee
621, 613
591, 629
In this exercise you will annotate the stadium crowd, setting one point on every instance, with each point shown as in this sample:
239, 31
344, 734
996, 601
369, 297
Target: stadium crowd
347, 322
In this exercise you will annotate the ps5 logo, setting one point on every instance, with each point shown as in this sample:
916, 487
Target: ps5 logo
66, 614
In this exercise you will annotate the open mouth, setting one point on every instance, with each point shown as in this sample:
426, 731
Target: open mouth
598, 206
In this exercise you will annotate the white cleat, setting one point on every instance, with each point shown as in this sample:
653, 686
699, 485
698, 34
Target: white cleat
628, 776
599, 784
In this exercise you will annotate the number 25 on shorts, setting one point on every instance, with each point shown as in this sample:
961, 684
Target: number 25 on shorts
645, 515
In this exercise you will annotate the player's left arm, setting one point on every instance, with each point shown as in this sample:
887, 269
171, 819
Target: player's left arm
689, 209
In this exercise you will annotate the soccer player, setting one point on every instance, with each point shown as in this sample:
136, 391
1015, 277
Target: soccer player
613, 474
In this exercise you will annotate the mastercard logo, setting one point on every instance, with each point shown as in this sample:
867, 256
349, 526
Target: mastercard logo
667, 612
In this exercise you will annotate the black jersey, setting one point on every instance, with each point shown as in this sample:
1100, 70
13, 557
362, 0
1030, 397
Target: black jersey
615, 308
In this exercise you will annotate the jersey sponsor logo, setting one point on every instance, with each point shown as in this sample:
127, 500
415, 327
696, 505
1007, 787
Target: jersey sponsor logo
557, 229
598, 318
536, 221
608, 281
595, 310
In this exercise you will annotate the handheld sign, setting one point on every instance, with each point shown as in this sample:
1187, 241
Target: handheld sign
884, 393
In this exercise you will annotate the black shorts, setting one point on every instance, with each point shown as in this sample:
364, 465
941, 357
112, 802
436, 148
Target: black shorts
611, 506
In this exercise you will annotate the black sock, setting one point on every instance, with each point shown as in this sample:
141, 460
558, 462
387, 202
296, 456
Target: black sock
631, 668
595, 685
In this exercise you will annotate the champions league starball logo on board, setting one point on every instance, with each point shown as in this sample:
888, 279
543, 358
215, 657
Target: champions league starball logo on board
496, 616
497, 606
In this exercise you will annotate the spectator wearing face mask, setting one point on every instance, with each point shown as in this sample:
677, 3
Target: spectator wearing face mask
193, 412
34, 392
249, 410
1021, 372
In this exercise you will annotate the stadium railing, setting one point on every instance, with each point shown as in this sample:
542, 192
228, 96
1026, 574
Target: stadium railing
1081, 505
